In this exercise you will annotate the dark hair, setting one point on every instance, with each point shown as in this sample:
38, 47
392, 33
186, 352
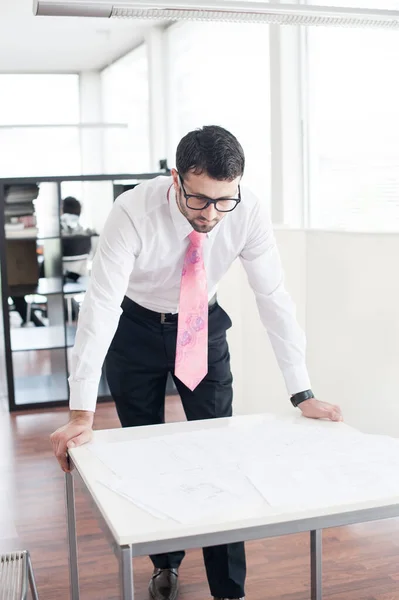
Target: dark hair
211, 150
71, 206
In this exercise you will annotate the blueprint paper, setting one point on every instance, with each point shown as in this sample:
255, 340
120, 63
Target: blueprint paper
233, 471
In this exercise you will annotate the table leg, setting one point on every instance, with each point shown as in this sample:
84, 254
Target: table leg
73, 546
316, 564
126, 573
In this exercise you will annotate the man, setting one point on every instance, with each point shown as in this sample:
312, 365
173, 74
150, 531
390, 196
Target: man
165, 247
76, 240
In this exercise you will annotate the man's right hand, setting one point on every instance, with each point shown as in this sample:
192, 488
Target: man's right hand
75, 433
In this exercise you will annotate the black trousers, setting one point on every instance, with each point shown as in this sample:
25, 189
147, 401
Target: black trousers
21, 306
140, 357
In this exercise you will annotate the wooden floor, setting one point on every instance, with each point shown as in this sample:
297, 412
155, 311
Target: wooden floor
360, 562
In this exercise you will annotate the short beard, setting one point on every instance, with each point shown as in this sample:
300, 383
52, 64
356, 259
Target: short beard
200, 228
204, 228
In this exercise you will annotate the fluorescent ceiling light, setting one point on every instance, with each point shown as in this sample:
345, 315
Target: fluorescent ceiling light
222, 10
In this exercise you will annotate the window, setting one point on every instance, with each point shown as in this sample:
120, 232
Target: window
125, 97
40, 99
218, 74
353, 129
45, 100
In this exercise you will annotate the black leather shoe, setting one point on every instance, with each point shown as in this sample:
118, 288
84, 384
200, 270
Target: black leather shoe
164, 584
214, 598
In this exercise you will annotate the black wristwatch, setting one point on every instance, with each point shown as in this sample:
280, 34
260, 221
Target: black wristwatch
301, 397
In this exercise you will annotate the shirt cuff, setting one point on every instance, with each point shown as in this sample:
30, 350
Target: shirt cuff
83, 395
296, 379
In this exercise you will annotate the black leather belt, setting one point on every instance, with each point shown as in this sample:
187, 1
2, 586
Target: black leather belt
130, 307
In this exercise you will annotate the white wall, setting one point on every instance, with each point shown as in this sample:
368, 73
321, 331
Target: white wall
347, 295
353, 325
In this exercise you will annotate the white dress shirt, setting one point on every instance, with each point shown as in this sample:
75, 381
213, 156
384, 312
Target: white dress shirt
140, 254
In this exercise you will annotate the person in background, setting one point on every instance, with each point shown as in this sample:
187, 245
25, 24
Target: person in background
70, 217
76, 240
166, 245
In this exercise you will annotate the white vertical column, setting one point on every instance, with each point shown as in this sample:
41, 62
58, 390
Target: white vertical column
157, 71
91, 142
286, 101
171, 91
97, 196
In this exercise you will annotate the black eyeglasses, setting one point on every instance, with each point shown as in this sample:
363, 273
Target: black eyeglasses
195, 202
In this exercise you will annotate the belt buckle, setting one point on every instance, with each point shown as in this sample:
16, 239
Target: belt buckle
162, 318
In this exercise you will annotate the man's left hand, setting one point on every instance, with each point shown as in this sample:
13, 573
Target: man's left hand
316, 409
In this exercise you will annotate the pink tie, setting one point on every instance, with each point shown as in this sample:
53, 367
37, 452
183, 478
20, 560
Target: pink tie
192, 330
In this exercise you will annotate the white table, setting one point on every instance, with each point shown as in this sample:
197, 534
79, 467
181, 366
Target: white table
135, 532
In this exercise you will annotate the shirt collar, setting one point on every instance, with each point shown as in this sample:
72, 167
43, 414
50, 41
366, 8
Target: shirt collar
182, 226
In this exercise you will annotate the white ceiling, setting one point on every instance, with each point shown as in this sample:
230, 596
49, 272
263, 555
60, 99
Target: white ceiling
51, 44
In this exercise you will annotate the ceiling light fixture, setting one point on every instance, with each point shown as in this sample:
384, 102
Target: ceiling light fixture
222, 10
